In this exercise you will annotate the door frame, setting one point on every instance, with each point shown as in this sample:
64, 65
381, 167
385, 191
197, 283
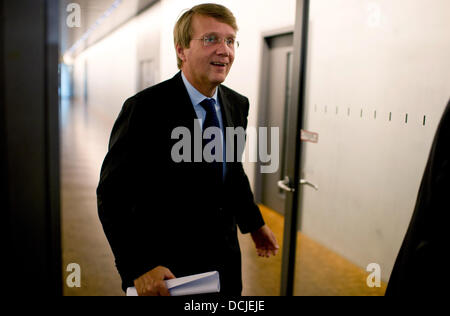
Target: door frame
293, 145
294, 148
30, 208
263, 96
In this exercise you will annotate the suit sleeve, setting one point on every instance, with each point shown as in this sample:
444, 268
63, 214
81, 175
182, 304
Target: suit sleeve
248, 215
118, 197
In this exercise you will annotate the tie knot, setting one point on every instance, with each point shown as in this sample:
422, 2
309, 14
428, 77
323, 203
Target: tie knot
209, 105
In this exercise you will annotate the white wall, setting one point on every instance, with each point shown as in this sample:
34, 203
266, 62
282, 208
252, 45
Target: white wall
113, 64
111, 72
385, 56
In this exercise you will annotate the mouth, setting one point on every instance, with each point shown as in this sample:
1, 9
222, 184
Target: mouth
220, 65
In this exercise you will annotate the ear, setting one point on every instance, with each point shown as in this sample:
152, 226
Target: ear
180, 52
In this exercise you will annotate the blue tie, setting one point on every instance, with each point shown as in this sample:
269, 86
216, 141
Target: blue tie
211, 120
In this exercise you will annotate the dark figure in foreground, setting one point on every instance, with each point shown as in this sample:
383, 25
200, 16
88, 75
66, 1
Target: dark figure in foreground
421, 265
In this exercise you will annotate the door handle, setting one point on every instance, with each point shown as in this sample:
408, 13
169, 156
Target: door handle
284, 185
312, 185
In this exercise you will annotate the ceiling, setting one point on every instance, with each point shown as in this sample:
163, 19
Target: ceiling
95, 24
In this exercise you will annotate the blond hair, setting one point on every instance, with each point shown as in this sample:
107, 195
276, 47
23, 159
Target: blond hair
182, 33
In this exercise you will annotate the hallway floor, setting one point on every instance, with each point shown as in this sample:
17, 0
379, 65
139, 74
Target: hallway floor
318, 271
84, 139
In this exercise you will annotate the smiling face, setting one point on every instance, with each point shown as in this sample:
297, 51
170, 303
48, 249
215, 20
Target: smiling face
207, 66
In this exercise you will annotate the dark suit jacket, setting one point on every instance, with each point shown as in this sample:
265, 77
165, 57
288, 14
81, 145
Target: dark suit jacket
158, 212
421, 266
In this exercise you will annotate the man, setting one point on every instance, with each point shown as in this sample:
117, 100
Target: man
420, 268
164, 218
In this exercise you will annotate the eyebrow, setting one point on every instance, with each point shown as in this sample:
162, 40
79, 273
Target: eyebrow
233, 36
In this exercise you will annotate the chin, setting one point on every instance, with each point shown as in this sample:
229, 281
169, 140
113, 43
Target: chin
218, 79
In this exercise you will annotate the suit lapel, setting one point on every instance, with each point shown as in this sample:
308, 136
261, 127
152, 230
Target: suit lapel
227, 110
228, 121
183, 108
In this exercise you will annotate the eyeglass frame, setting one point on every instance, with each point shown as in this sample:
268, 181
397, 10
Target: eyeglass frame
219, 41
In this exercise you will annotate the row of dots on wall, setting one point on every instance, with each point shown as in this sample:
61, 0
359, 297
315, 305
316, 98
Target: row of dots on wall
362, 114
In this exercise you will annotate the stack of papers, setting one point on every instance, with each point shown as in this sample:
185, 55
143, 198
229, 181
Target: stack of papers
190, 285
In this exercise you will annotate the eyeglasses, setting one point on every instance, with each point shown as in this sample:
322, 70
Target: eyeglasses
212, 40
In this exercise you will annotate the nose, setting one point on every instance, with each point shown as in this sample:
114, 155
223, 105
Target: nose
223, 49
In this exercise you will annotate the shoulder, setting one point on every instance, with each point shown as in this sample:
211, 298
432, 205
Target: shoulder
161, 90
151, 97
232, 95
235, 100
238, 103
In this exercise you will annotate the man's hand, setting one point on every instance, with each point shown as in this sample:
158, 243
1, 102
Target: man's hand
152, 283
265, 242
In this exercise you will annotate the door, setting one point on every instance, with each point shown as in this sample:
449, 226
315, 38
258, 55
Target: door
278, 86
147, 74
373, 83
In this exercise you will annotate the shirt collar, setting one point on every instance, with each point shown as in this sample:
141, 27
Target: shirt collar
194, 94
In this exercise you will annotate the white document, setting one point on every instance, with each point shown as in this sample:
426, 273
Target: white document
190, 285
